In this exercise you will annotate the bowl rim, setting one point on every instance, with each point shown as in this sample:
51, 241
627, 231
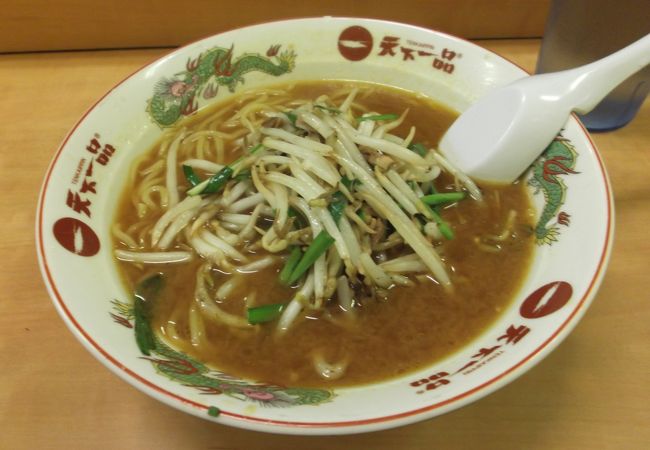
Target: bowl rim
333, 427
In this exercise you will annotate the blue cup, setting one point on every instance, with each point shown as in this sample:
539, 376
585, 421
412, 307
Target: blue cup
581, 31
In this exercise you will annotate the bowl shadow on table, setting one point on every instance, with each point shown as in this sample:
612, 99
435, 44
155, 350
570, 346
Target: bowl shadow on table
520, 412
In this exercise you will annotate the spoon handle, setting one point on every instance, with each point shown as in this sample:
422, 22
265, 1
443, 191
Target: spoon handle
592, 82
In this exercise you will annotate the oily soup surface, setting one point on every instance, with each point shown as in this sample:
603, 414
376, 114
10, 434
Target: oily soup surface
410, 329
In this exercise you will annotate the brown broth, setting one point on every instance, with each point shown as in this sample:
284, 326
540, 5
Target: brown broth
411, 329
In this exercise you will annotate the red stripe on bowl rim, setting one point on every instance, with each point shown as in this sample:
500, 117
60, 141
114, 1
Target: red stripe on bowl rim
381, 422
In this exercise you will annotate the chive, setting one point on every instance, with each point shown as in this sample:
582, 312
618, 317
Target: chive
191, 176
418, 148
217, 181
214, 411
254, 149
328, 109
300, 220
446, 230
318, 246
378, 117
442, 197
429, 201
337, 205
292, 117
289, 265
213, 184
266, 313
350, 183
146, 293
250, 151
243, 175
443, 226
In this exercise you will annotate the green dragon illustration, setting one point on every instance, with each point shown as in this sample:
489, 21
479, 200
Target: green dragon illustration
559, 158
176, 97
179, 367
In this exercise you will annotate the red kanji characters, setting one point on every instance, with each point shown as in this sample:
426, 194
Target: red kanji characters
93, 146
388, 45
434, 381
89, 170
466, 366
483, 352
103, 156
448, 54
77, 203
88, 186
514, 335
439, 64
106, 154
407, 53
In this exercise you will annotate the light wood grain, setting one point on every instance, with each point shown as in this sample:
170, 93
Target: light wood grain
590, 393
32, 25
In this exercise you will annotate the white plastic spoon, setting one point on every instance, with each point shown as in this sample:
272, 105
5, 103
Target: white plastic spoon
500, 135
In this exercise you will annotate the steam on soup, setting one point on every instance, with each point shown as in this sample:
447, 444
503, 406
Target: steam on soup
311, 235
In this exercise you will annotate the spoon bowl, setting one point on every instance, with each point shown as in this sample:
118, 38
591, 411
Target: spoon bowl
501, 135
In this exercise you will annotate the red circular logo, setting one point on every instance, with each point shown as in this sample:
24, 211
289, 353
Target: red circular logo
546, 300
355, 43
76, 237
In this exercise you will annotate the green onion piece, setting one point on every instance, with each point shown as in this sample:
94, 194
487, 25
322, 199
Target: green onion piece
418, 148
443, 226
349, 183
337, 206
266, 313
146, 294
442, 197
446, 230
243, 175
289, 265
191, 176
250, 151
198, 189
214, 411
378, 117
318, 246
213, 184
328, 109
255, 149
300, 221
292, 117
217, 181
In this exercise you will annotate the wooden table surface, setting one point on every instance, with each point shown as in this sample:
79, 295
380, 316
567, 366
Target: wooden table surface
590, 393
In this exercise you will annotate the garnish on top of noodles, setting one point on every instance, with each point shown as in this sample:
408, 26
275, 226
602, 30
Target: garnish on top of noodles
328, 192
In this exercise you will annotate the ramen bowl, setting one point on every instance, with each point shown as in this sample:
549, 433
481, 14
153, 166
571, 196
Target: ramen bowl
567, 185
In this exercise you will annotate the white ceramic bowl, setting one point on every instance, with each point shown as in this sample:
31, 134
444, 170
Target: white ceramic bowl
79, 195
